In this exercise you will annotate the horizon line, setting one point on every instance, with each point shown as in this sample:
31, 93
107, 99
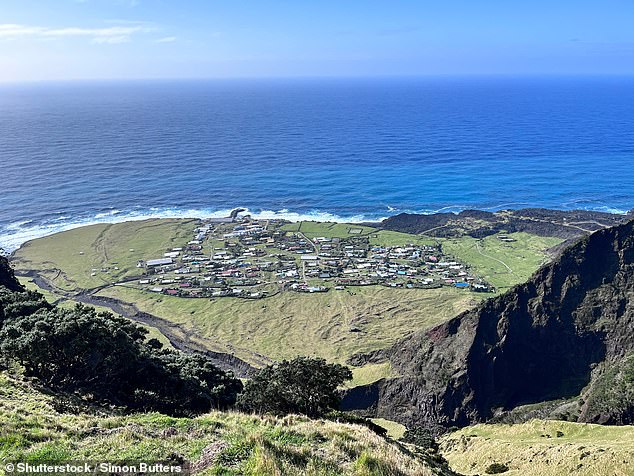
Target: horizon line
321, 77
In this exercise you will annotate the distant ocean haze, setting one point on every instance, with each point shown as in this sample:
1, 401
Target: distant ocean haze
344, 150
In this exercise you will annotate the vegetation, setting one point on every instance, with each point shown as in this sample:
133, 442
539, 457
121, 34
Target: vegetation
106, 358
421, 437
14, 305
68, 303
393, 429
35, 429
496, 468
303, 385
502, 263
541, 448
370, 373
314, 229
612, 393
289, 324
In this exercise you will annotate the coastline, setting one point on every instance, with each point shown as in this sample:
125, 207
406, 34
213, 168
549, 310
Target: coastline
14, 235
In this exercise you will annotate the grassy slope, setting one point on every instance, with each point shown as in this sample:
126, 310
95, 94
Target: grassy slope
535, 449
103, 246
371, 373
32, 430
394, 429
489, 256
318, 324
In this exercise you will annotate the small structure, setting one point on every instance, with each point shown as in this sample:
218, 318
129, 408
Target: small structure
152, 263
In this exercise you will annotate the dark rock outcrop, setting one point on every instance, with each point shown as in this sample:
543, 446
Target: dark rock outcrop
560, 335
567, 225
7, 278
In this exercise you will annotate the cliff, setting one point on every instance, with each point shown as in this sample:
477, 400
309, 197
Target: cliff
7, 278
568, 332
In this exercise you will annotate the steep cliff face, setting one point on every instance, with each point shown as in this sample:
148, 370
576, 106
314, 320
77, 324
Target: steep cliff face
7, 278
561, 334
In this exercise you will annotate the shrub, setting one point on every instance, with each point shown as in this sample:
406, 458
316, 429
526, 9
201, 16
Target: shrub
303, 385
17, 304
107, 357
496, 468
421, 437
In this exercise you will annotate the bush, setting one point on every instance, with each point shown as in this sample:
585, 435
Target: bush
303, 385
173, 380
108, 358
421, 437
18, 304
496, 468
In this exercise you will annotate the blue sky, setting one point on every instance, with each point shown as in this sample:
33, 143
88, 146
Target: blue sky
104, 39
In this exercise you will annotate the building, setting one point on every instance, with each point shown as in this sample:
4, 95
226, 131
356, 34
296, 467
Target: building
152, 263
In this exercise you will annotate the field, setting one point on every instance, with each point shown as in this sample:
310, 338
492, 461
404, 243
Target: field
333, 325
542, 448
98, 255
501, 263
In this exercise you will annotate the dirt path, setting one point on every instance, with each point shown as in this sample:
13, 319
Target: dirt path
494, 259
310, 241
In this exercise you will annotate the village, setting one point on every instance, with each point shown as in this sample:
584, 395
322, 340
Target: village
254, 259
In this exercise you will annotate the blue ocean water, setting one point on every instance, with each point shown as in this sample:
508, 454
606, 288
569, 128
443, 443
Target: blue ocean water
353, 149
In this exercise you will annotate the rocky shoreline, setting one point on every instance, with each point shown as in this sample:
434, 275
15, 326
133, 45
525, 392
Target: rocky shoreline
564, 224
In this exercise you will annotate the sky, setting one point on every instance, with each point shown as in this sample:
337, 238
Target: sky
135, 39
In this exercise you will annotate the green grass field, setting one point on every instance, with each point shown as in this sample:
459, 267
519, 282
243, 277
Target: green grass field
69, 259
394, 430
371, 373
542, 448
500, 263
313, 229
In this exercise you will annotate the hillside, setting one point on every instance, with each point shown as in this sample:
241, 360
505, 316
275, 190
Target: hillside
567, 333
542, 448
39, 427
42, 425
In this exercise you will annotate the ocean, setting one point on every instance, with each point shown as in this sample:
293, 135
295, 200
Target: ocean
324, 149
